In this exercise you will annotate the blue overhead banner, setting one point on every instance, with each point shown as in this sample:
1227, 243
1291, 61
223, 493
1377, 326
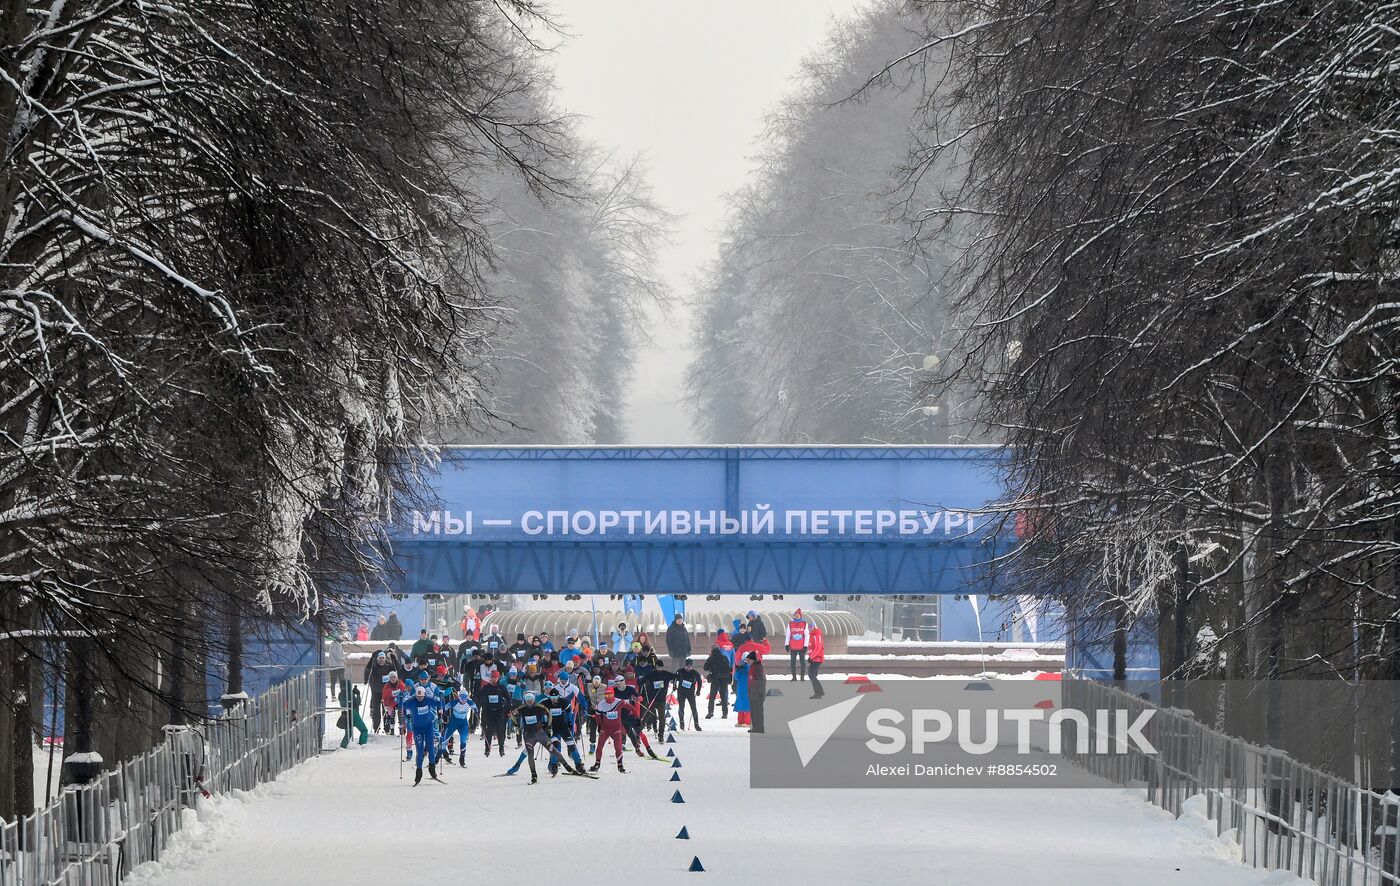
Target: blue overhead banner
706, 520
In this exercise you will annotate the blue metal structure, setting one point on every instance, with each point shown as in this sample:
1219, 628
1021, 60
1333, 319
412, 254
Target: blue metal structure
704, 520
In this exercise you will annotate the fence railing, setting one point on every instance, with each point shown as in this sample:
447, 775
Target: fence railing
99, 832
1286, 815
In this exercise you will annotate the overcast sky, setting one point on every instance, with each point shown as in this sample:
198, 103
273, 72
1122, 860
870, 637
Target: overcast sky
687, 86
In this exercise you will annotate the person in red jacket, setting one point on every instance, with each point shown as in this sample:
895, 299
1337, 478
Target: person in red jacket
796, 645
816, 655
609, 716
389, 701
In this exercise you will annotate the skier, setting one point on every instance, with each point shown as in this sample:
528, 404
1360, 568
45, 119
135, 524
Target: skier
533, 720
631, 699
688, 682
422, 711
720, 671
816, 656
596, 692
657, 690
795, 642
459, 720
377, 671
495, 703
561, 732
388, 702
608, 715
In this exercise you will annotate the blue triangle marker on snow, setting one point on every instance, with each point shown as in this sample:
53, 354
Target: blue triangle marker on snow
676, 763
670, 752
774, 693
672, 724
677, 798
695, 864
671, 739
683, 835
675, 776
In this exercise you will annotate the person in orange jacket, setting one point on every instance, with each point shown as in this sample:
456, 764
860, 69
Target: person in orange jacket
816, 655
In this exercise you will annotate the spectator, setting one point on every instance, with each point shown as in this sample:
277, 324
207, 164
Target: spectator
816, 655
758, 691
678, 642
423, 647
393, 628
362, 634
381, 630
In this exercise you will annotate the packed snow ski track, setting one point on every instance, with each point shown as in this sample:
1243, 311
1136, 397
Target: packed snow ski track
348, 818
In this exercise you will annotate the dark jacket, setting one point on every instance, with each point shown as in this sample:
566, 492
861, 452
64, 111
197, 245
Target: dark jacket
393, 628
719, 668
678, 640
421, 649
757, 630
688, 675
758, 683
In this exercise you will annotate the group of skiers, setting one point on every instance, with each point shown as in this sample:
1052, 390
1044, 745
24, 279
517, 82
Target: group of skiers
551, 700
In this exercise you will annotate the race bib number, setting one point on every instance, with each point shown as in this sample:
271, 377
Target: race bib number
432, 661
657, 684
797, 635
530, 721
612, 715
493, 699
687, 684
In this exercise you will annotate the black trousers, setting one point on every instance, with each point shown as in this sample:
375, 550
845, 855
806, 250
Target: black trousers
720, 690
494, 726
756, 715
797, 659
813, 672
684, 698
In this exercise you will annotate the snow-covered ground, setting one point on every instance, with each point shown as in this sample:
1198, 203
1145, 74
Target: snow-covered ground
348, 818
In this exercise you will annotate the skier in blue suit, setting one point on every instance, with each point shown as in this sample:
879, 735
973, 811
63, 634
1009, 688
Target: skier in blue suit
459, 720
421, 711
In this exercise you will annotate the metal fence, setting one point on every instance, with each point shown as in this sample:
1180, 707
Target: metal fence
1285, 815
97, 833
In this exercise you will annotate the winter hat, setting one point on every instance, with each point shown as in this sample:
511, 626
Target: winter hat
797, 614
609, 693
529, 698
721, 633
393, 676
597, 681
689, 662
420, 690
751, 656
381, 657
753, 614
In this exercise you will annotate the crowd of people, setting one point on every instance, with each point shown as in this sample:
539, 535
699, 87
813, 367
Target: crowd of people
552, 701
